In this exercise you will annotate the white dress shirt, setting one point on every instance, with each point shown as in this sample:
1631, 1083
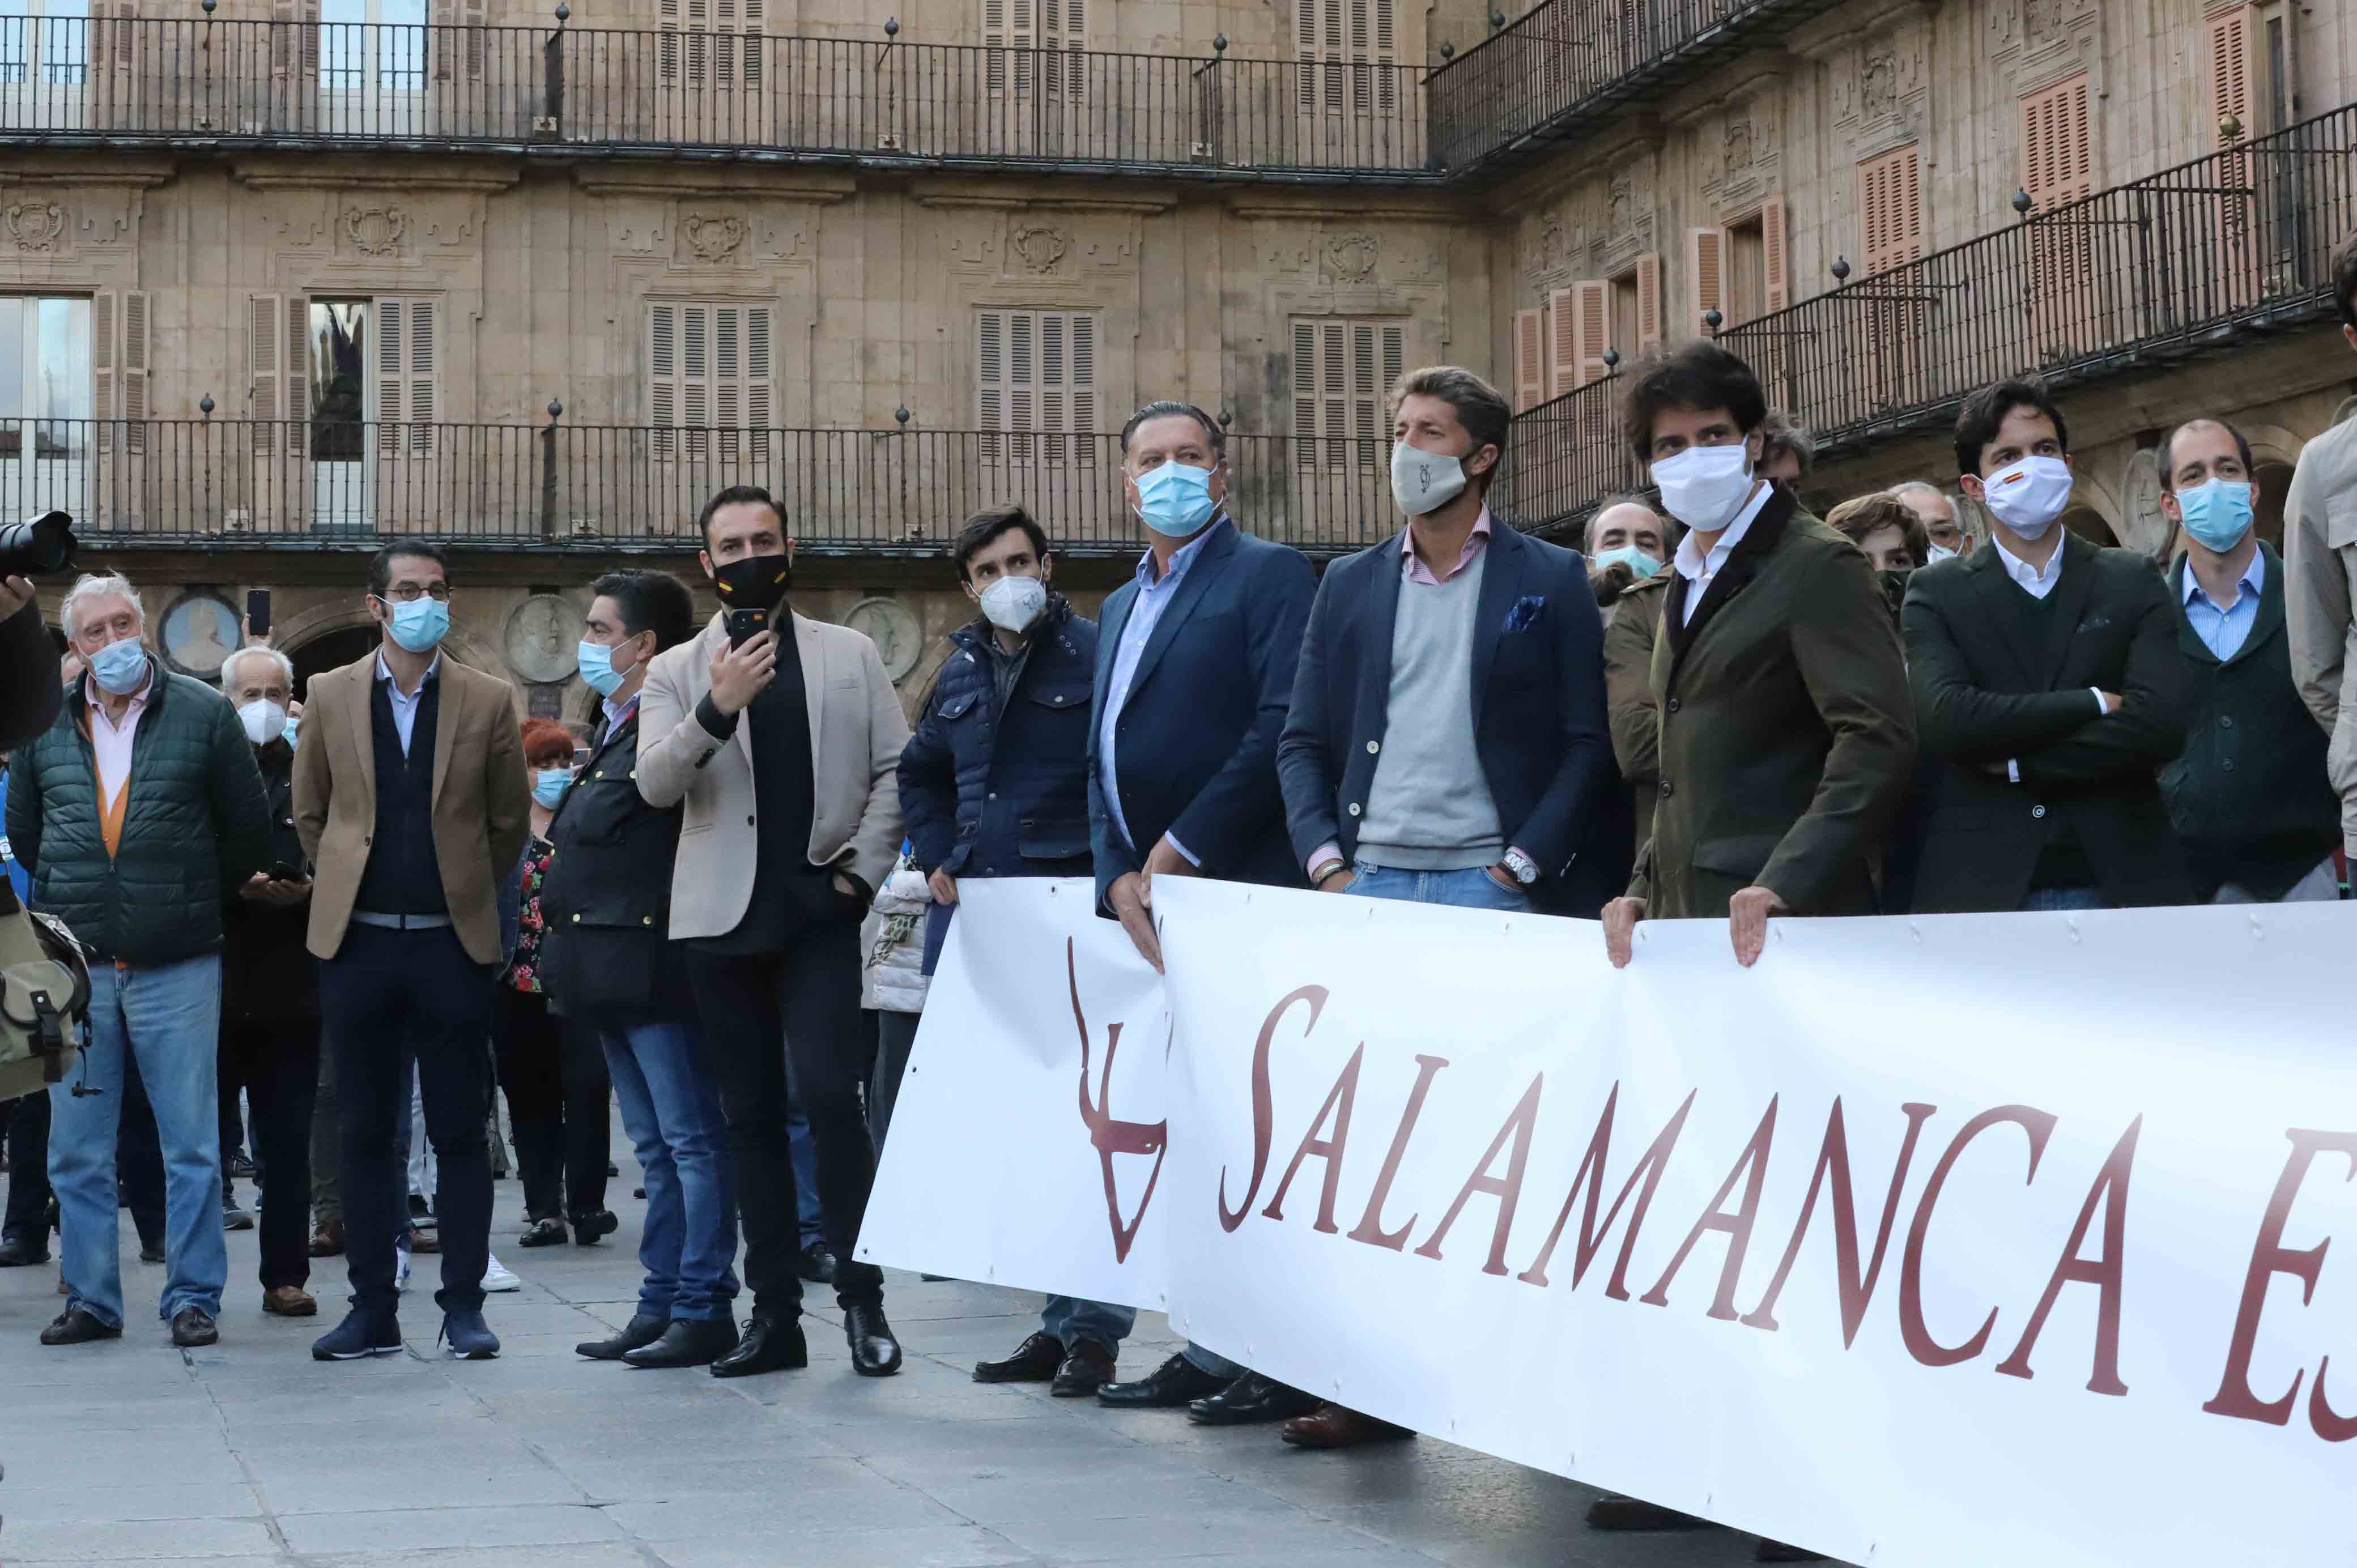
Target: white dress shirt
1699, 569
404, 707
2038, 583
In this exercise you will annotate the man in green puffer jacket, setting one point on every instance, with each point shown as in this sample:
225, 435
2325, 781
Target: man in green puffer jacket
133, 811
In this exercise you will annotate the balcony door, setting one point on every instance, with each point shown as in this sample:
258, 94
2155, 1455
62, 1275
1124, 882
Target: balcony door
45, 59
710, 88
352, 391
342, 410
45, 405
372, 68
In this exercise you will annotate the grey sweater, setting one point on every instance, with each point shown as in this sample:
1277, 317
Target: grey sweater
1428, 808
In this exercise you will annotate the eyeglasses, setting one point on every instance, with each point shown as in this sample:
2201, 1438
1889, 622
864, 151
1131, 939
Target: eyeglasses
410, 593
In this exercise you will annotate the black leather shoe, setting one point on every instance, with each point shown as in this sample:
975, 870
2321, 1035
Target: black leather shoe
816, 1263
1088, 1369
1034, 1361
192, 1326
1176, 1383
75, 1327
16, 1252
1250, 1398
1613, 1512
151, 1252
688, 1342
588, 1228
548, 1232
874, 1352
767, 1345
641, 1329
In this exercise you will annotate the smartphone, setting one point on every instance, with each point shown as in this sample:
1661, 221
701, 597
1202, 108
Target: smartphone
257, 611
744, 625
282, 872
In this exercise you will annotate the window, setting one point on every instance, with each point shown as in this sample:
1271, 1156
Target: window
2058, 168
1743, 270
2057, 156
1619, 315
376, 45
48, 45
1890, 209
1035, 385
1049, 34
45, 377
709, 377
1346, 50
1890, 219
1342, 376
715, 43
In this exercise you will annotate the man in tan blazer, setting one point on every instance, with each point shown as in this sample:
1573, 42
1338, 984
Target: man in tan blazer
782, 749
2320, 575
410, 799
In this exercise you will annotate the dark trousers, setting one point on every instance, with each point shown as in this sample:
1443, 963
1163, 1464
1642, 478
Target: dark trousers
559, 1103
385, 994
27, 1216
895, 1033
278, 1063
139, 1158
754, 1010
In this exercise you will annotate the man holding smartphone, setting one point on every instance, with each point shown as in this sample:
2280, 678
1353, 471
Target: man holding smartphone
780, 736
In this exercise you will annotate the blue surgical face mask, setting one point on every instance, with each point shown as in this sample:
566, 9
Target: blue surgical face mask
119, 667
292, 724
549, 784
1629, 555
597, 661
1175, 499
2217, 512
420, 624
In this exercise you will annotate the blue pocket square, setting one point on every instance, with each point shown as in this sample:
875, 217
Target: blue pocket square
1526, 613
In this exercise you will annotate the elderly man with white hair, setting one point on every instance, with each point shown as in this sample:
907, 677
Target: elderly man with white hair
135, 812
270, 997
1942, 521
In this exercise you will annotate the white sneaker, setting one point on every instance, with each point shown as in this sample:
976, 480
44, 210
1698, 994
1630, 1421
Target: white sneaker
400, 1266
500, 1277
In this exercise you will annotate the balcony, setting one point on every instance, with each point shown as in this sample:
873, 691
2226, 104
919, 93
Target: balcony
216, 484
2209, 255
1569, 67
198, 84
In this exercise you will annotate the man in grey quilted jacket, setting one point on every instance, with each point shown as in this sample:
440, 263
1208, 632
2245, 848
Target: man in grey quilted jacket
132, 813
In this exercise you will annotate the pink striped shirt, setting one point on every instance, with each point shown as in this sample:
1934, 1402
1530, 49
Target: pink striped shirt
112, 742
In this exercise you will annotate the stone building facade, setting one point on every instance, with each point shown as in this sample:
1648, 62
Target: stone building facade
280, 281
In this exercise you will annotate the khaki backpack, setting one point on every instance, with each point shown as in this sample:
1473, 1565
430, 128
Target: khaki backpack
43, 999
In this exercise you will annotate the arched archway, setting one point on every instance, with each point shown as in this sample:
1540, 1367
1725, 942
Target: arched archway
2089, 525
2272, 479
332, 650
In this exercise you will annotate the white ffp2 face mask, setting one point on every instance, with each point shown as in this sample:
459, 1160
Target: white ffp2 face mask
1014, 604
2027, 496
1704, 487
264, 721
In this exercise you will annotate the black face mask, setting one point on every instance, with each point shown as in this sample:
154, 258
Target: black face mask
754, 582
1894, 588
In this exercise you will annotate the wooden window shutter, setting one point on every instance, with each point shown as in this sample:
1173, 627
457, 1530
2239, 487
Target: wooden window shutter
266, 361
406, 351
1530, 358
1706, 266
104, 347
1305, 389
1023, 378
1023, 37
1333, 389
667, 42
1591, 321
1777, 270
696, 379
760, 404
1562, 343
662, 377
990, 379
296, 376
1084, 372
1055, 337
471, 12
440, 46
2057, 152
2227, 76
1305, 51
131, 368
392, 326
750, 45
1890, 207
1649, 302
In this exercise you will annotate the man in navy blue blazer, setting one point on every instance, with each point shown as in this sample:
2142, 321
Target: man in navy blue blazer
1195, 661
1447, 741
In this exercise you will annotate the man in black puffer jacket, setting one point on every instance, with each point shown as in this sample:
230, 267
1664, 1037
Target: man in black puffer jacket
133, 811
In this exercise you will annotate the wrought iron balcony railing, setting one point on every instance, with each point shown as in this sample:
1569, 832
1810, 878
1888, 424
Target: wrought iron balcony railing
2208, 255
177, 483
200, 84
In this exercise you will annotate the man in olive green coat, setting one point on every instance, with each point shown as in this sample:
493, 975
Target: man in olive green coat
1786, 735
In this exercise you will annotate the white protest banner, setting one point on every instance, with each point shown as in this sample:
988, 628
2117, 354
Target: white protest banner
1039, 1059
1937, 1241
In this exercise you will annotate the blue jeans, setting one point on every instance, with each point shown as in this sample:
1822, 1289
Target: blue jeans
1068, 1319
1471, 889
672, 1112
170, 1016
2064, 899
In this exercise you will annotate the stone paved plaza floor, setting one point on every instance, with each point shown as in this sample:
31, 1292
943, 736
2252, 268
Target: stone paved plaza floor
250, 1454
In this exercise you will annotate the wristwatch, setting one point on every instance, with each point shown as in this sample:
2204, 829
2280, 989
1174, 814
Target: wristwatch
1525, 869
1325, 869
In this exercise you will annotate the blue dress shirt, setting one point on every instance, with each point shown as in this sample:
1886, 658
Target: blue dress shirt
1154, 596
2222, 629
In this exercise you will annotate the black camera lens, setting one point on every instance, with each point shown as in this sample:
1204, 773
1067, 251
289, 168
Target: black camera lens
37, 547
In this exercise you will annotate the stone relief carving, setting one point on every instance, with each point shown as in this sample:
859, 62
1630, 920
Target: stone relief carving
1623, 201
2042, 39
1040, 247
713, 237
1881, 100
376, 230
1352, 257
1547, 244
1877, 85
33, 226
2140, 493
1738, 151
2042, 19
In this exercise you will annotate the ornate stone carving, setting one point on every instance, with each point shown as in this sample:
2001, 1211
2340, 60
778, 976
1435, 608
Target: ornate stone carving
376, 230
1547, 245
1877, 85
2042, 19
1040, 247
33, 226
713, 237
1352, 257
1738, 145
900, 639
1624, 200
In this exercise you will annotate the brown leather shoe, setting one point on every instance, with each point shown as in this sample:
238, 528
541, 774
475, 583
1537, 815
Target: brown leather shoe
290, 1301
1332, 1425
328, 1239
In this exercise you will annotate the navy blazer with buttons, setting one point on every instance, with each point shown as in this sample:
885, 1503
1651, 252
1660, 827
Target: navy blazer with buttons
992, 792
1539, 714
1196, 742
